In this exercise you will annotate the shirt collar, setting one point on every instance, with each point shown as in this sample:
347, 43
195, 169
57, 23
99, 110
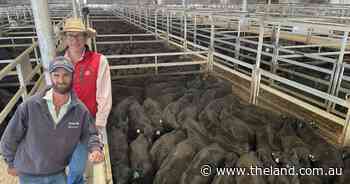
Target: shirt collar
49, 96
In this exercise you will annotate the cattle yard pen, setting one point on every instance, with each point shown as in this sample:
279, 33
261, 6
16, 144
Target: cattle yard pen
299, 60
303, 61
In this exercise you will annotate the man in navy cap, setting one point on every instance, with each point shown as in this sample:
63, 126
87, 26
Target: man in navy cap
42, 135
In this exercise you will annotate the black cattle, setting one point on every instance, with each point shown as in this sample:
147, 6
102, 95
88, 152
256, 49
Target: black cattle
139, 123
140, 160
246, 161
196, 83
346, 157
165, 99
119, 114
212, 113
233, 135
324, 154
154, 113
268, 152
213, 82
177, 161
173, 109
289, 160
154, 90
255, 116
294, 143
191, 110
162, 147
344, 178
119, 148
310, 179
211, 94
188, 112
196, 130
230, 162
212, 155
174, 89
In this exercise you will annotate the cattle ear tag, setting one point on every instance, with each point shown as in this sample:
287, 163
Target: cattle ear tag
277, 160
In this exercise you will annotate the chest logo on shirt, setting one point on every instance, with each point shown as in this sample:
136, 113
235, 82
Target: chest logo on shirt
87, 72
73, 124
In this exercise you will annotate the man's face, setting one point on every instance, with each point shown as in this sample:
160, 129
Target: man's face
61, 80
75, 40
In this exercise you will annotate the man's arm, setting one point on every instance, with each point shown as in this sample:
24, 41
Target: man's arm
103, 93
90, 134
13, 135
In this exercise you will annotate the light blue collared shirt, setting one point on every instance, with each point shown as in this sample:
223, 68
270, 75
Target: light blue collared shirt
63, 110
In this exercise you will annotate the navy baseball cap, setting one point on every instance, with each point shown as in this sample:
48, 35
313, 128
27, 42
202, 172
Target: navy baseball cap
61, 62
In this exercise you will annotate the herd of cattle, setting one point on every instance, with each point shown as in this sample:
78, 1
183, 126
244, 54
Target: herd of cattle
165, 131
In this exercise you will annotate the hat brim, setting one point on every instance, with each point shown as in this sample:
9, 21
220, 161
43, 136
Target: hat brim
89, 31
61, 66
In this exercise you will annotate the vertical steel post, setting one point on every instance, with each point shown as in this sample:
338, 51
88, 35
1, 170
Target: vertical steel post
211, 47
171, 22
337, 70
244, 5
45, 34
345, 137
274, 59
181, 26
185, 29
268, 6
146, 16
195, 30
75, 9
35, 52
156, 63
256, 73
167, 27
243, 16
140, 16
156, 23
238, 41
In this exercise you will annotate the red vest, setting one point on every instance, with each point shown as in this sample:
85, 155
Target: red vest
85, 80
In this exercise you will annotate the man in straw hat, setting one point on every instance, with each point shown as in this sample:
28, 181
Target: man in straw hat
42, 135
91, 83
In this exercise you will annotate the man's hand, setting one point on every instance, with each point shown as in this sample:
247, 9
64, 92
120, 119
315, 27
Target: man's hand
12, 171
96, 156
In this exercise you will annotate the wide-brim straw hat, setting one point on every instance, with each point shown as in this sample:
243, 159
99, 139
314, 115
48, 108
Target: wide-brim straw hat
77, 25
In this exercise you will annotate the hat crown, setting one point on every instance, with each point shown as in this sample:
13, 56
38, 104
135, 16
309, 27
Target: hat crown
77, 25
74, 24
61, 62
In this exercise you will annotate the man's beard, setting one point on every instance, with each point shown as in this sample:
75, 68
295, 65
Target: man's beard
62, 88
